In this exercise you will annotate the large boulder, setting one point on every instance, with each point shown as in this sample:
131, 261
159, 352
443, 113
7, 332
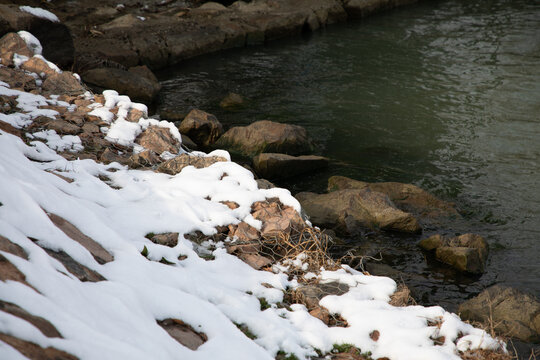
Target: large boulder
353, 210
55, 37
158, 139
11, 44
274, 166
510, 311
63, 83
203, 128
407, 197
466, 252
137, 87
266, 136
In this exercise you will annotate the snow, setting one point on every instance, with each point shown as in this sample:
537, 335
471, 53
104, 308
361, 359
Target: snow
32, 42
39, 12
116, 207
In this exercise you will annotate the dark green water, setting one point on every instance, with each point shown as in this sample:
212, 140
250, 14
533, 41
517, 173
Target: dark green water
444, 95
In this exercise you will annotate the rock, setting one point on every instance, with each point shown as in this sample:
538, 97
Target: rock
42, 324
11, 44
108, 156
266, 136
511, 312
158, 139
264, 184
406, 197
321, 314
55, 37
256, 261
134, 115
277, 218
244, 232
17, 79
172, 115
175, 165
188, 143
63, 83
183, 333
10, 129
12, 248
363, 8
212, 6
135, 86
101, 255
274, 166
33, 351
63, 127
232, 101
80, 271
144, 159
310, 295
167, 239
353, 209
145, 72
39, 66
466, 252
201, 127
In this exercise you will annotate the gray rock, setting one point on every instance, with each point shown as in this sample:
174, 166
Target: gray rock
137, 87
511, 312
353, 210
64, 83
175, 165
274, 166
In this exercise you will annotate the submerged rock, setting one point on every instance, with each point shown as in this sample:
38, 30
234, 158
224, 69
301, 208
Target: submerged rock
353, 210
232, 101
274, 166
407, 197
466, 252
510, 311
266, 136
203, 128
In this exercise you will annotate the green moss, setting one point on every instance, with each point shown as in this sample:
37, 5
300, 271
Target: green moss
264, 304
165, 261
144, 251
281, 355
243, 328
342, 348
150, 235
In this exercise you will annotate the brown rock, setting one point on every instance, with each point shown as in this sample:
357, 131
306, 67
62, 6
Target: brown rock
8, 246
406, 197
374, 335
188, 143
158, 139
43, 325
274, 166
466, 252
166, 239
145, 72
175, 165
108, 156
231, 204
256, 261
201, 127
134, 115
8, 271
10, 44
90, 128
63, 127
183, 333
232, 101
33, 351
17, 79
82, 272
266, 136
351, 210
245, 232
38, 66
321, 314
512, 312
277, 218
64, 83
144, 159
10, 129
310, 295
98, 252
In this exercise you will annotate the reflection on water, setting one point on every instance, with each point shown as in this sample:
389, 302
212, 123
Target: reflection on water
445, 95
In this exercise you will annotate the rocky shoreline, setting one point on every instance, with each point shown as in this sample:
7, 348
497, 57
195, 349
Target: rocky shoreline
349, 207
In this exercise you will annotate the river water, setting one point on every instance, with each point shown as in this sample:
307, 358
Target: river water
443, 94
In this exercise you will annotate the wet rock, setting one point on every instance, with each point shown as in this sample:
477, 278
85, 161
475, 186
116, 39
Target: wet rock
466, 252
158, 139
167, 239
183, 333
352, 210
363, 8
55, 37
511, 312
277, 218
145, 72
39, 66
63, 83
266, 136
144, 159
175, 165
203, 128
11, 44
135, 86
406, 197
232, 101
274, 166
188, 143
